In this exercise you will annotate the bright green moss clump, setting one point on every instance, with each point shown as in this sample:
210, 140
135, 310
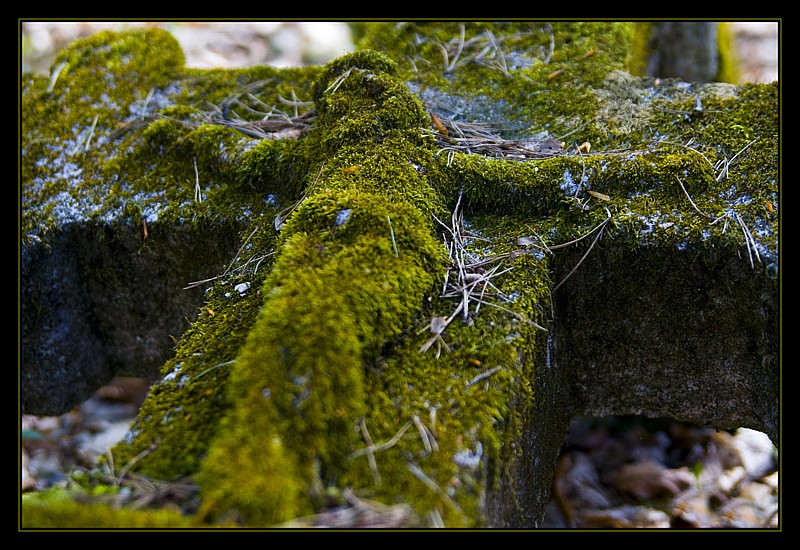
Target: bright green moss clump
58, 509
335, 296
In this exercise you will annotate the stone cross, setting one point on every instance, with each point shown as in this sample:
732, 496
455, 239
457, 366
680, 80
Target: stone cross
377, 278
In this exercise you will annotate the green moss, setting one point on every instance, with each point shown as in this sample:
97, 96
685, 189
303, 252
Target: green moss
122, 111
460, 405
362, 60
537, 74
151, 55
58, 509
353, 271
273, 166
361, 105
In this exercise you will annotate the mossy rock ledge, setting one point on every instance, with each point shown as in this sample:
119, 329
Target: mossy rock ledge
377, 292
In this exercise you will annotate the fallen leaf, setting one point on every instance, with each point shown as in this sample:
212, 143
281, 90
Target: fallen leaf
649, 480
624, 517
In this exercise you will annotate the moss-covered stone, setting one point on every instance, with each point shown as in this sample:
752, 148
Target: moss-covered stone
333, 351
128, 186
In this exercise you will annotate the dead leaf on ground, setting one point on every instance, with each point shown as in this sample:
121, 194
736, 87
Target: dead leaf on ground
649, 480
623, 517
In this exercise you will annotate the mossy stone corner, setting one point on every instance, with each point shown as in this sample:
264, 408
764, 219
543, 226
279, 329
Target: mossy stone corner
335, 353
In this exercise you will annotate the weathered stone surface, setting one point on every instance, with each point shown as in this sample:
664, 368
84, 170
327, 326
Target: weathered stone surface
99, 304
666, 333
633, 270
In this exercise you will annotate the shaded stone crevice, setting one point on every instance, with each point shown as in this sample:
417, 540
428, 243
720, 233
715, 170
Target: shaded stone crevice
57, 331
